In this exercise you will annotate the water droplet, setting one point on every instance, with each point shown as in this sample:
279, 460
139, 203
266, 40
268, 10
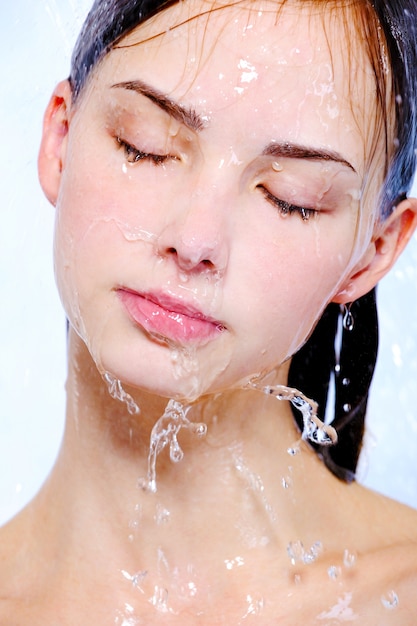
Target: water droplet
298, 554
162, 515
337, 368
349, 559
293, 450
346, 382
232, 563
175, 453
191, 589
200, 430
134, 523
277, 167
333, 572
347, 407
348, 321
390, 600
255, 603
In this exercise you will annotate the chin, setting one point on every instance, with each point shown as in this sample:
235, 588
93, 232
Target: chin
162, 372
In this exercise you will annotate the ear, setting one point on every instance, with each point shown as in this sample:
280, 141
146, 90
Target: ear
389, 241
54, 141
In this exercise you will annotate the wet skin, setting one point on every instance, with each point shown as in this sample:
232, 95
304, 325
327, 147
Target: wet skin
210, 198
221, 179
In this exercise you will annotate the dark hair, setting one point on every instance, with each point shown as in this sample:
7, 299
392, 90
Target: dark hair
351, 363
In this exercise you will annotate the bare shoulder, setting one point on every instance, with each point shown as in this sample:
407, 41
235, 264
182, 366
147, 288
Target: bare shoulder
394, 522
16, 572
387, 561
372, 578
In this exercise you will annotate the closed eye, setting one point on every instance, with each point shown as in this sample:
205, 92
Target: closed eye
286, 208
134, 155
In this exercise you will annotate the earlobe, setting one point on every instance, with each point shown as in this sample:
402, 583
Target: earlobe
54, 140
389, 241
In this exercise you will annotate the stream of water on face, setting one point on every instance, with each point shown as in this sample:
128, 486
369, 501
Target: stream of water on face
117, 392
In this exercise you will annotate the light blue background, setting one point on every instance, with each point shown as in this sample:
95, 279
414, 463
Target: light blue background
36, 39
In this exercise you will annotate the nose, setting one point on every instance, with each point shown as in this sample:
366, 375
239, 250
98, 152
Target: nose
196, 235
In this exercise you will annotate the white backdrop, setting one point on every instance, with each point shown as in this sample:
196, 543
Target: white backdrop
36, 40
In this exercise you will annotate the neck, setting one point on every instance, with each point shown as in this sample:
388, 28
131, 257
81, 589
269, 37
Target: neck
230, 499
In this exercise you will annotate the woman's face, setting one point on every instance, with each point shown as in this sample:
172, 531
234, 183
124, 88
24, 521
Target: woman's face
209, 203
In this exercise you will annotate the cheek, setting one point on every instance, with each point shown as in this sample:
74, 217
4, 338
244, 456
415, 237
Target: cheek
291, 279
101, 207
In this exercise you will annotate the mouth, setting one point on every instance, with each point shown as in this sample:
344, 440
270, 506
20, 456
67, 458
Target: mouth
165, 317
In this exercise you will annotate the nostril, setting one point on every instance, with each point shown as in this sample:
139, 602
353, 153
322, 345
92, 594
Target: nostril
171, 250
207, 263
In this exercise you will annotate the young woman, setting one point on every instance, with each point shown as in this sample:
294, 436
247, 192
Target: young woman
230, 183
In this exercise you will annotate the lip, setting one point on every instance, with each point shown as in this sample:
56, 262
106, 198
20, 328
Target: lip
166, 317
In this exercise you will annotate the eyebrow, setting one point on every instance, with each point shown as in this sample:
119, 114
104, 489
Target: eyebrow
189, 117
185, 115
296, 151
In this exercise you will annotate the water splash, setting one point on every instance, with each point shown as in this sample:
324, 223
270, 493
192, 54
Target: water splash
165, 433
314, 429
390, 600
298, 554
118, 393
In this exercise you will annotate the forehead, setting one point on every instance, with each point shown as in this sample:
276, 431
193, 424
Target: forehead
288, 63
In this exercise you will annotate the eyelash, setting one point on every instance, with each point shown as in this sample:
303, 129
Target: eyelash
286, 208
133, 155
